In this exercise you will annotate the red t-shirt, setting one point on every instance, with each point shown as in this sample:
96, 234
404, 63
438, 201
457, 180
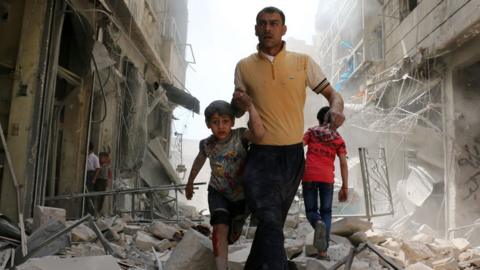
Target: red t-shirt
323, 145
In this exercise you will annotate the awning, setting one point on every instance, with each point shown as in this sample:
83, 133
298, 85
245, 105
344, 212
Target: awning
182, 98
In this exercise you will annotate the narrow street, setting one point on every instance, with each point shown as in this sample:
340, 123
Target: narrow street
104, 120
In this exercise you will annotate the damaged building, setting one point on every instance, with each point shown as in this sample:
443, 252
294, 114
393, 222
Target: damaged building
77, 72
408, 71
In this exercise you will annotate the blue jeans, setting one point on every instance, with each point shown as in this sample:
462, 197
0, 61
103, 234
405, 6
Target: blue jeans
311, 192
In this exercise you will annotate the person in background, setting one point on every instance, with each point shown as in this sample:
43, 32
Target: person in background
93, 169
103, 180
226, 149
324, 144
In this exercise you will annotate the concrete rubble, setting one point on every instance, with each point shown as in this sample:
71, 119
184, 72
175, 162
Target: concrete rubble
187, 245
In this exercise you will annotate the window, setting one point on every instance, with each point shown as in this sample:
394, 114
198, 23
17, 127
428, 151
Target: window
407, 6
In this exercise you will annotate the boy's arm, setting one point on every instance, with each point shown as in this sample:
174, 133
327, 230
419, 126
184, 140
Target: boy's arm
257, 130
196, 167
343, 194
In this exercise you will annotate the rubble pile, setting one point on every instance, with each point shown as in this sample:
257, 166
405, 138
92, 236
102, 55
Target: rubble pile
120, 243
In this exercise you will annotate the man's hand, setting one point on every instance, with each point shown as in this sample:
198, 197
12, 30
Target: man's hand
337, 119
241, 100
189, 191
343, 194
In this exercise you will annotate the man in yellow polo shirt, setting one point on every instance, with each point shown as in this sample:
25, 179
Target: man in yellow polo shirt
275, 80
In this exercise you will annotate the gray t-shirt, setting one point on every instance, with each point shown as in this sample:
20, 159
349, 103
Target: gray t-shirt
227, 161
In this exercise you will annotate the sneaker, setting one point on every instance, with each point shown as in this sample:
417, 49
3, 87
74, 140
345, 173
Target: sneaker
320, 236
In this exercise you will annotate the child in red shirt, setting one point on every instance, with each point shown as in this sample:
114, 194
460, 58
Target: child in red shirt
323, 144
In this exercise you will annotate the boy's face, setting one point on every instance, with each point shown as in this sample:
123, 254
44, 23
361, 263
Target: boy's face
104, 159
221, 125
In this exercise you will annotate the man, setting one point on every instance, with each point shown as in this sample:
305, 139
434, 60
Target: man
275, 80
93, 170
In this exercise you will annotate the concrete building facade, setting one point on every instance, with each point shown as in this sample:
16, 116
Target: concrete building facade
408, 70
77, 72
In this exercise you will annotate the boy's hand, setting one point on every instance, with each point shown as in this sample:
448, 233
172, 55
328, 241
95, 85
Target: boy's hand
189, 191
343, 194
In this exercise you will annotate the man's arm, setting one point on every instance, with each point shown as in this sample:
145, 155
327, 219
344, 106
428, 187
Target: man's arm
240, 101
196, 167
343, 194
335, 101
257, 130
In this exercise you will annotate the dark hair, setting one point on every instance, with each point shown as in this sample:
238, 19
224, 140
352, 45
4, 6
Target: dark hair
323, 115
271, 10
90, 147
103, 154
218, 106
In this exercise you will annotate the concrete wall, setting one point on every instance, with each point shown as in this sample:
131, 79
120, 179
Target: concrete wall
464, 89
433, 25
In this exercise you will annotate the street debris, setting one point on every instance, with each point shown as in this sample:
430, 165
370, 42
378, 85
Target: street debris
121, 243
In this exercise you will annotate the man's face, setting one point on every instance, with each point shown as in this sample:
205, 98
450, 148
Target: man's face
221, 126
269, 30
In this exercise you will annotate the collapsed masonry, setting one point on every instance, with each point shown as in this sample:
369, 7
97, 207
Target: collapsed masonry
121, 243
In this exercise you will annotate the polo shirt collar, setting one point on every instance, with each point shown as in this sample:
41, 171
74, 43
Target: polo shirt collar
268, 57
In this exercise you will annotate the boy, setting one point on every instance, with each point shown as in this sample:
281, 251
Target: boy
226, 149
323, 144
103, 180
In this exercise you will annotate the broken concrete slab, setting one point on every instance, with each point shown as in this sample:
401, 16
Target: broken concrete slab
237, 259
303, 229
350, 225
82, 233
314, 264
441, 246
165, 244
422, 237
193, 252
86, 250
291, 221
424, 228
358, 238
310, 250
375, 237
418, 266
42, 215
337, 239
163, 231
416, 251
41, 235
145, 241
77, 263
392, 245
293, 247
461, 244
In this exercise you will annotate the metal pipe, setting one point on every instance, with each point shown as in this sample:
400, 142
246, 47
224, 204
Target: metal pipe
118, 192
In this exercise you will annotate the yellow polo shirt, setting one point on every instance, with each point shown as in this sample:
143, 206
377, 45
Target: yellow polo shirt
277, 86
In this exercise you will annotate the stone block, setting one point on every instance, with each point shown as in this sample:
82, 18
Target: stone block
310, 250
193, 252
445, 264
82, 233
165, 244
303, 229
442, 246
416, 251
132, 229
375, 237
42, 215
350, 225
163, 231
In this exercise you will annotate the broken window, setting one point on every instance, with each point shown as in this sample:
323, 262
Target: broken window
407, 6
